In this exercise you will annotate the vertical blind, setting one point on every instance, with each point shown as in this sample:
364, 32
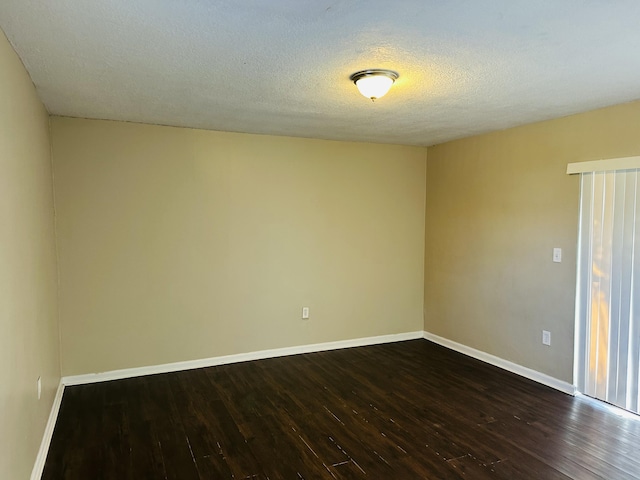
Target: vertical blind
608, 289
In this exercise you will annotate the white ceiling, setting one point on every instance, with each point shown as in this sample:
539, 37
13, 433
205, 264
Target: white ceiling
282, 66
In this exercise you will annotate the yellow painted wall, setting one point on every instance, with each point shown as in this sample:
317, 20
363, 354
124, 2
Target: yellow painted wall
496, 206
28, 305
179, 244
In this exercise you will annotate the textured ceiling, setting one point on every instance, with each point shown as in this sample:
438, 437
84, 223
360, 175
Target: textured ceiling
282, 66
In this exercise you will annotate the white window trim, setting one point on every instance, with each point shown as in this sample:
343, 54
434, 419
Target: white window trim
625, 163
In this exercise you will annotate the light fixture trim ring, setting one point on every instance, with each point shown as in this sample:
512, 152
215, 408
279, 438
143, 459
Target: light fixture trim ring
373, 72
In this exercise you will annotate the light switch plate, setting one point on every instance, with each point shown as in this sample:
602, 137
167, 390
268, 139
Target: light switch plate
557, 255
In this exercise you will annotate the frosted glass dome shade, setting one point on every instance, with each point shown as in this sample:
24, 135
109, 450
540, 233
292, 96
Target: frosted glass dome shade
374, 84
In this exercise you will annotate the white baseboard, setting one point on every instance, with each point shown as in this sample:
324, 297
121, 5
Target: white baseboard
38, 467
240, 357
504, 364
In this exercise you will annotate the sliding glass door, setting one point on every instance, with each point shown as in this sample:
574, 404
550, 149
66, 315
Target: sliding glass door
608, 290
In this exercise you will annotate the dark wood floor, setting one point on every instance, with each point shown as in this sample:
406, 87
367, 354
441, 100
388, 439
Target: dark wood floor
408, 410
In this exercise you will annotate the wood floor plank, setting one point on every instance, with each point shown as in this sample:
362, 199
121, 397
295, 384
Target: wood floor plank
396, 411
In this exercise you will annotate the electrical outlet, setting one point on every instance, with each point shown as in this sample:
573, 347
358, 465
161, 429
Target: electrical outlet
305, 313
39, 383
546, 337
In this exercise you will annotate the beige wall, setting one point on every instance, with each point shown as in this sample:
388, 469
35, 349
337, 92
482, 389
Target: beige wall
28, 305
497, 204
179, 244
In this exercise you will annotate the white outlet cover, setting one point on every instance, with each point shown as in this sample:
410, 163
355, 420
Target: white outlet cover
546, 337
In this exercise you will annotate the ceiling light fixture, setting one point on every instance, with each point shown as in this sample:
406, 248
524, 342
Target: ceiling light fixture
374, 83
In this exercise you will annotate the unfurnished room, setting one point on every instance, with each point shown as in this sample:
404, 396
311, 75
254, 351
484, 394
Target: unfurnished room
319, 239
